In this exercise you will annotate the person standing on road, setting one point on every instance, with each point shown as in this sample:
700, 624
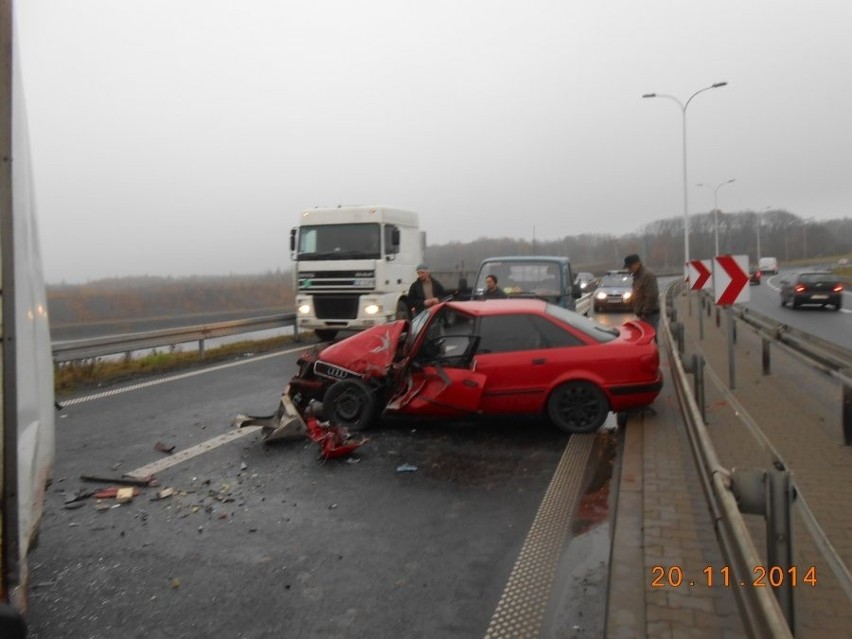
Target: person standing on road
646, 294
425, 291
491, 289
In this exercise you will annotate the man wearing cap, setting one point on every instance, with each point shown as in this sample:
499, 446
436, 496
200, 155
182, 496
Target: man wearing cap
646, 295
425, 291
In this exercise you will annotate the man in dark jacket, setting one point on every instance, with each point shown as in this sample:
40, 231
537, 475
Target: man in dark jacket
646, 294
491, 288
425, 291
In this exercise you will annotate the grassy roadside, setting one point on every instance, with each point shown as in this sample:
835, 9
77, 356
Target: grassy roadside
73, 377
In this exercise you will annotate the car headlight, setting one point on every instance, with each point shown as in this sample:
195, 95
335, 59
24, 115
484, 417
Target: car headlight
601, 295
628, 295
372, 309
304, 309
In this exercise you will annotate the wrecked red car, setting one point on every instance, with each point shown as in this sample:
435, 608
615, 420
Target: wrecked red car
461, 359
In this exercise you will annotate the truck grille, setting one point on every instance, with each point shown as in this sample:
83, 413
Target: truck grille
336, 306
317, 280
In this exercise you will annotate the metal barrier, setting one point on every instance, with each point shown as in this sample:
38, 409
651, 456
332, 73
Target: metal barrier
767, 492
128, 342
760, 611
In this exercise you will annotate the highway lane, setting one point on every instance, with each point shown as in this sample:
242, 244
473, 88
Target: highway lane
268, 540
835, 327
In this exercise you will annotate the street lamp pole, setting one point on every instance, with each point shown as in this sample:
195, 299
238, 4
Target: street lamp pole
683, 106
716, 207
759, 222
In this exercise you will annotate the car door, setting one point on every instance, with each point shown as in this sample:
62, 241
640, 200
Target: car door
439, 380
520, 355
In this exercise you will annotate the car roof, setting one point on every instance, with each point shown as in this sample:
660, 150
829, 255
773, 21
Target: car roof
499, 306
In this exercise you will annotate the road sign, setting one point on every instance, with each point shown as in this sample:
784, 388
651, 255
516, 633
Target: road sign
700, 274
730, 279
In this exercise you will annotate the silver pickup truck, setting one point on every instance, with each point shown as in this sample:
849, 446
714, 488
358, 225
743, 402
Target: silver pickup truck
550, 278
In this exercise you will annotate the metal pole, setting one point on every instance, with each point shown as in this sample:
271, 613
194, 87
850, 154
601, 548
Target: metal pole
731, 339
779, 539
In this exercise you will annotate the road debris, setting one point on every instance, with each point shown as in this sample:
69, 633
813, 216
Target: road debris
406, 468
150, 480
113, 493
164, 448
164, 493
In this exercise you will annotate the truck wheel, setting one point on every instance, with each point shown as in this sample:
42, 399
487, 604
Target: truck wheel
350, 403
577, 407
325, 334
402, 311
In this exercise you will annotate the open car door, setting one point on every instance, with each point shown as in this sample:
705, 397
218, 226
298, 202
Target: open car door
442, 384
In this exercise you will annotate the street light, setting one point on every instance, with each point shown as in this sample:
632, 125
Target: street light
683, 106
715, 190
759, 222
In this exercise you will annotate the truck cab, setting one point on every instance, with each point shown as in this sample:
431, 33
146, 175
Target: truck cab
354, 265
550, 278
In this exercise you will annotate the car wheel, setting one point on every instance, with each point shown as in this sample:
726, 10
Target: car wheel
838, 305
796, 303
577, 407
783, 302
350, 403
325, 334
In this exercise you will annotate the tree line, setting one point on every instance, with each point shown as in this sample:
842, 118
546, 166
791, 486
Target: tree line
780, 234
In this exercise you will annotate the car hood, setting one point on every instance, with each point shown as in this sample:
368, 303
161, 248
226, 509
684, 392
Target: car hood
368, 353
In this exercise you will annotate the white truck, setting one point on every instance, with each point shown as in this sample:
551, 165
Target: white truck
353, 266
27, 426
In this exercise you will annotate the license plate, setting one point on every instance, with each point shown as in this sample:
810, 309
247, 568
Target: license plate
819, 297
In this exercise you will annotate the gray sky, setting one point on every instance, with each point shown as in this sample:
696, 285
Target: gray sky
182, 137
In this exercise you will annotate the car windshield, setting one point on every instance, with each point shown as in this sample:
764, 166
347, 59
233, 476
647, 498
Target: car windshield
420, 320
522, 277
587, 325
617, 279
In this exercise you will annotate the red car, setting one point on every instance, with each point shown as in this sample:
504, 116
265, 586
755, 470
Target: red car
480, 358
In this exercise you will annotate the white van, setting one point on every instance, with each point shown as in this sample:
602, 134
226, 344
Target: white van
768, 265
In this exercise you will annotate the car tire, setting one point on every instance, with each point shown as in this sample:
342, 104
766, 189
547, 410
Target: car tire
325, 334
838, 305
795, 303
783, 302
350, 403
577, 407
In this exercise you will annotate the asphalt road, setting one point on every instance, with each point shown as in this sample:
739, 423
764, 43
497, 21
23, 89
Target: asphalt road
269, 541
830, 325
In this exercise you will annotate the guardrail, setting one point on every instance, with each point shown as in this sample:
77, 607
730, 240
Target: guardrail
128, 342
769, 492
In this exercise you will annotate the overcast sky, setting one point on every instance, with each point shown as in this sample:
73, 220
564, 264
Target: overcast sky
183, 137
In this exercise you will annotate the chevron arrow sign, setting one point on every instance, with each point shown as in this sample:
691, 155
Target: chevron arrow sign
730, 279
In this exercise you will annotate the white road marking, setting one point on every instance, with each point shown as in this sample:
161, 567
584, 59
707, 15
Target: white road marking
189, 453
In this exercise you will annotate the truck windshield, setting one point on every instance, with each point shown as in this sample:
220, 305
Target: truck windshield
340, 242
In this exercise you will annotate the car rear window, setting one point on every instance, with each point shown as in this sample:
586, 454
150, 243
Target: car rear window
813, 278
587, 325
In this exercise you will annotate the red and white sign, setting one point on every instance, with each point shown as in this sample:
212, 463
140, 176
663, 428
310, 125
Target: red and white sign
700, 274
730, 279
